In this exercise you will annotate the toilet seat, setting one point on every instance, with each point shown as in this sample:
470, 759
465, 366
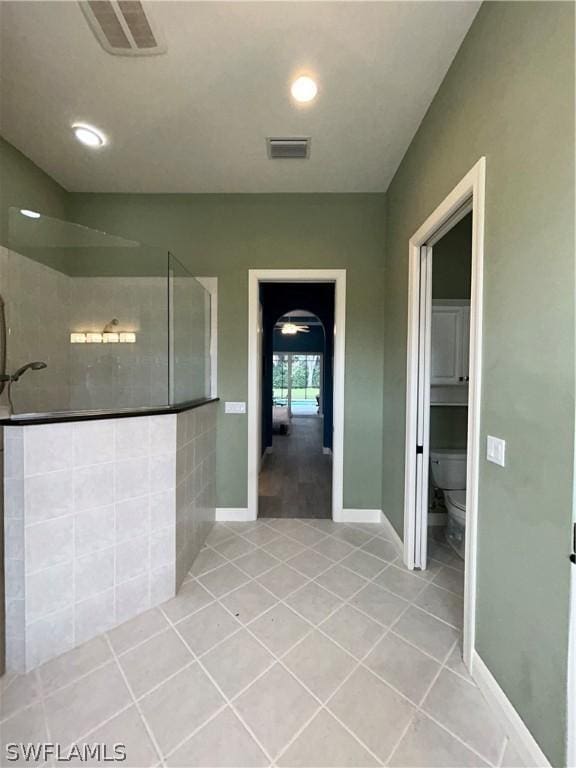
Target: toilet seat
458, 499
456, 503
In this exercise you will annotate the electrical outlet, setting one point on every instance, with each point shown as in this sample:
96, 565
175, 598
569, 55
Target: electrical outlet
496, 450
235, 408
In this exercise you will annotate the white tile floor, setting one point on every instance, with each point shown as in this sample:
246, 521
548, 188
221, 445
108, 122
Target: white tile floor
292, 643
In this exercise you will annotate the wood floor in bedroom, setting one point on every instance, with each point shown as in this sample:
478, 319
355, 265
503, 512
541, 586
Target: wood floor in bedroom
296, 478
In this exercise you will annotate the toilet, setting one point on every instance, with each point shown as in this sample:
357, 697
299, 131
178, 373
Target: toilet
448, 471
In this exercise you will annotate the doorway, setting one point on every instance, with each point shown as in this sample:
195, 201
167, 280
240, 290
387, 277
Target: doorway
460, 323
330, 394
296, 464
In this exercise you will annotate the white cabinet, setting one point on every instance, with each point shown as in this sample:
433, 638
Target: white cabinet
450, 340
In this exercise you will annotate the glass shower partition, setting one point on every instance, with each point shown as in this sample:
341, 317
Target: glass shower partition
190, 335
120, 325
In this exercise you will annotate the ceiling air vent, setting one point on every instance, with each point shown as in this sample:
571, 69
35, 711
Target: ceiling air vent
289, 149
122, 27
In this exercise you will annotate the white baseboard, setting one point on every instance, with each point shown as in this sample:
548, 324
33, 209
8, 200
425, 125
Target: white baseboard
326, 451
233, 515
358, 516
392, 535
521, 738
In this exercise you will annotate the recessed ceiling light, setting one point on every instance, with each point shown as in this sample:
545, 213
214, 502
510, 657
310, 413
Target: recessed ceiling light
304, 89
29, 214
89, 135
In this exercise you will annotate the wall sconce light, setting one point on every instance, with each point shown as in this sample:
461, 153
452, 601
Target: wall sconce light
107, 336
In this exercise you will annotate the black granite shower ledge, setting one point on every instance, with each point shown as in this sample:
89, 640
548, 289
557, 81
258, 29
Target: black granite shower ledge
28, 419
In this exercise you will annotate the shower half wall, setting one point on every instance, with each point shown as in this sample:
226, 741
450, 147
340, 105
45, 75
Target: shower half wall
110, 451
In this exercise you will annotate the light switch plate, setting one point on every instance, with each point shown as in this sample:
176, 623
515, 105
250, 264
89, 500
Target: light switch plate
496, 450
235, 408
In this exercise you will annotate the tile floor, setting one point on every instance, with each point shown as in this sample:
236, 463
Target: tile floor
291, 643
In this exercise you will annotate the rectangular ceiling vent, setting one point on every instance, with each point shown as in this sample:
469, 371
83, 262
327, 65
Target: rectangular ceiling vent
122, 27
289, 149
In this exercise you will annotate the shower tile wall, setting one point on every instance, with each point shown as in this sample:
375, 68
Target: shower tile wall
195, 484
43, 306
94, 534
119, 375
90, 538
37, 302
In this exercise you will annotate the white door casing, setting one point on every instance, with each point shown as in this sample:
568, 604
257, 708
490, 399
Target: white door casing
338, 277
468, 195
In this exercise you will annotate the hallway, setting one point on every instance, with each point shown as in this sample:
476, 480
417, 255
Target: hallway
296, 478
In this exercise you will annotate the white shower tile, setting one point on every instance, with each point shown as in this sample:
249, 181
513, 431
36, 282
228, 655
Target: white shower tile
93, 573
131, 478
49, 637
162, 434
132, 518
162, 548
163, 472
14, 538
132, 558
132, 598
162, 509
14, 497
93, 486
132, 437
48, 591
47, 447
48, 496
94, 529
49, 543
93, 442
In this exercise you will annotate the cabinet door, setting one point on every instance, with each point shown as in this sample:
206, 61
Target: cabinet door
446, 345
465, 342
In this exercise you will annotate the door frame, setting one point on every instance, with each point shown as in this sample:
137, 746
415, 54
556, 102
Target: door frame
338, 277
471, 187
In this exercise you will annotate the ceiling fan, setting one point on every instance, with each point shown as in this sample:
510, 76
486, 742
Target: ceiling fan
291, 329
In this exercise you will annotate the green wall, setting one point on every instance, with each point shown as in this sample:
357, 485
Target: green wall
24, 185
224, 236
509, 95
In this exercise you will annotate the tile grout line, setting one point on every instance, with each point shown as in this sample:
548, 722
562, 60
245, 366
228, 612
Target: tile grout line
417, 707
279, 660
134, 702
340, 563
222, 693
422, 699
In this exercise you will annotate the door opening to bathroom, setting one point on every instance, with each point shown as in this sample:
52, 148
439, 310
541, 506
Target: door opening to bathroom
443, 397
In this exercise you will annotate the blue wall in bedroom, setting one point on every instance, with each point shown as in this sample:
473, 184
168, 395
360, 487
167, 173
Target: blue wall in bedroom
276, 300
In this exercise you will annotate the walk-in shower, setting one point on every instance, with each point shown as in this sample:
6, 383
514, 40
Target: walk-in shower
104, 323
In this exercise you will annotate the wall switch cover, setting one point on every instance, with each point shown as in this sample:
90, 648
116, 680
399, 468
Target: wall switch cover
235, 408
496, 450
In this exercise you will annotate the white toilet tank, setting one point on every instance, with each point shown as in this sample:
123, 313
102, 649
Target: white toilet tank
448, 467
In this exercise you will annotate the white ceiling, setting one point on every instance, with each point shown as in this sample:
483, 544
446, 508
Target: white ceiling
196, 118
